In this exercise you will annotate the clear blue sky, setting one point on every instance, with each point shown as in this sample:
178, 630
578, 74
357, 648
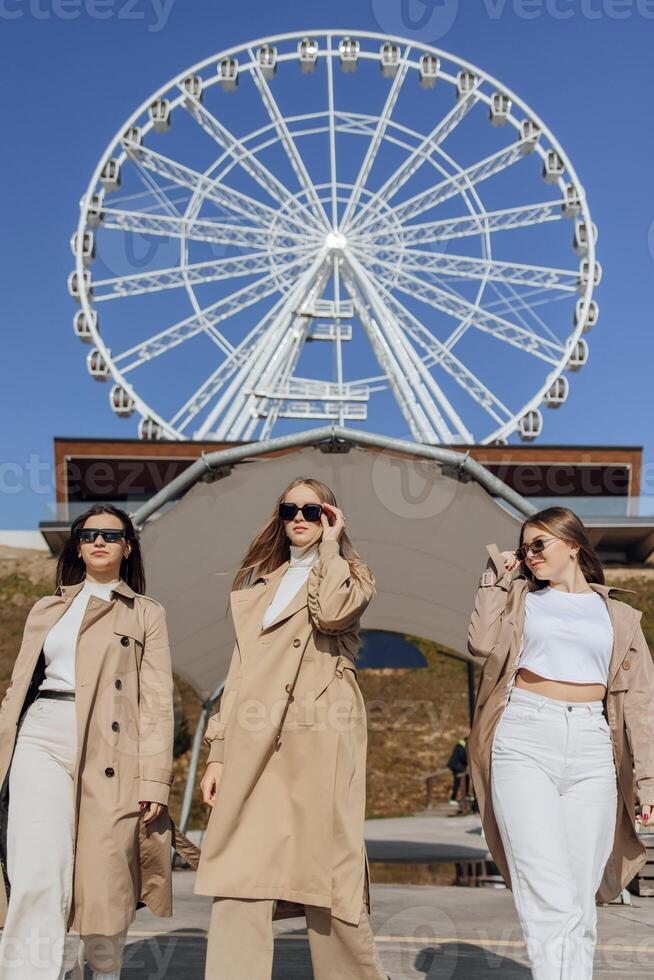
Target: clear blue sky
75, 69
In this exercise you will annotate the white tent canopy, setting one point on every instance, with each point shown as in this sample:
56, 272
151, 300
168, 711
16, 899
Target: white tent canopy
421, 531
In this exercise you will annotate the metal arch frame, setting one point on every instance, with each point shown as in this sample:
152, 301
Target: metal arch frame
329, 53
208, 462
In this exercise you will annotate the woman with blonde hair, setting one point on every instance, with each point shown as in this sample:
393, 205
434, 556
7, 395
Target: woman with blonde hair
286, 772
563, 714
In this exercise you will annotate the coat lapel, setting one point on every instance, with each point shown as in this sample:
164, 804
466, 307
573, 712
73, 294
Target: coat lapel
298, 601
51, 611
623, 627
249, 605
61, 600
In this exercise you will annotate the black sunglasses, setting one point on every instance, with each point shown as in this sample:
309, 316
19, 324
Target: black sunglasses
310, 512
536, 546
89, 535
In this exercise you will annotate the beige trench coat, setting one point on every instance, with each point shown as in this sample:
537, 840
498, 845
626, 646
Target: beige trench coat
289, 825
496, 634
124, 711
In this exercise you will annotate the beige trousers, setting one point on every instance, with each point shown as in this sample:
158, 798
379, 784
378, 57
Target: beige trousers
240, 943
40, 855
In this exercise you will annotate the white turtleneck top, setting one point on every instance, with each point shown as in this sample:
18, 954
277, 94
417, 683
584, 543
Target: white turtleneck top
295, 576
61, 642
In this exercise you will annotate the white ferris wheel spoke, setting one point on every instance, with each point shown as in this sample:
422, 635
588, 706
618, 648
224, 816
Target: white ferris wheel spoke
527, 301
249, 162
377, 139
288, 143
175, 277
432, 399
332, 135
273, 384
191, 326
243, 205
456, 183
158, 192
232, 403
439, 355
413, 412
420, 153
437, 264
492, 221
237, 357
196, 229
515, 305
462, 310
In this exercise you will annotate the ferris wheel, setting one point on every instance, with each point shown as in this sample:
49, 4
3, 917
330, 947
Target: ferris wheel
341, 226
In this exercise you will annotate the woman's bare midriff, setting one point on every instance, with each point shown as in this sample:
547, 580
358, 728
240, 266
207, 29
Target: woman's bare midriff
563, 690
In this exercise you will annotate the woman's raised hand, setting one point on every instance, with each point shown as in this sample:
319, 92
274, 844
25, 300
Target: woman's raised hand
209, 782
332, 532
510, 560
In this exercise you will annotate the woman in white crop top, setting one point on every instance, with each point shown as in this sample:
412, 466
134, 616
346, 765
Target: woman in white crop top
553, 782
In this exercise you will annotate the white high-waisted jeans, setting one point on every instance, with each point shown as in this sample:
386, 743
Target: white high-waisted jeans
40, 849
554, 792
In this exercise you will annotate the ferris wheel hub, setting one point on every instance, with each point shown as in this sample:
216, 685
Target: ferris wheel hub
336, 241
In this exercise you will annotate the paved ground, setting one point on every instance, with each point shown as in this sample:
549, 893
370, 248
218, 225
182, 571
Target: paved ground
424, 932
425, 838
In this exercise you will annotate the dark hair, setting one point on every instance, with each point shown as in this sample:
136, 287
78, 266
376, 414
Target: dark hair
563, 523
70, 567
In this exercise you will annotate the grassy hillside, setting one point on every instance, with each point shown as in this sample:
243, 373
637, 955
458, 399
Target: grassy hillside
414, 716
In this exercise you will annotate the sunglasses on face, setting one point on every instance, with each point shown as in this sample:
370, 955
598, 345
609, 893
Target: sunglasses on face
89, 535
536, 546
310, 512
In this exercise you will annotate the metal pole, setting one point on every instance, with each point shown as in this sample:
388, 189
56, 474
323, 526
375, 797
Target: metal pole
195, 757
470, 671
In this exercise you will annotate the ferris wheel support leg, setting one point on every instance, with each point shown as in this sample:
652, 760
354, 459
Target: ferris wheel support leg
288, 354
412, 413
423, 385
265, 351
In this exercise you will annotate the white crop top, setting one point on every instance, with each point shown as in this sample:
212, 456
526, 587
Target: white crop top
568, 636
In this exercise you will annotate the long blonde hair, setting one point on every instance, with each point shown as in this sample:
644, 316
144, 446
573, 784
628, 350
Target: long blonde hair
271, 546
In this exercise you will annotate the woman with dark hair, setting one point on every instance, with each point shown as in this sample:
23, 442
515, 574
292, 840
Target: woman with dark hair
563, 714
86, 735
286, 772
